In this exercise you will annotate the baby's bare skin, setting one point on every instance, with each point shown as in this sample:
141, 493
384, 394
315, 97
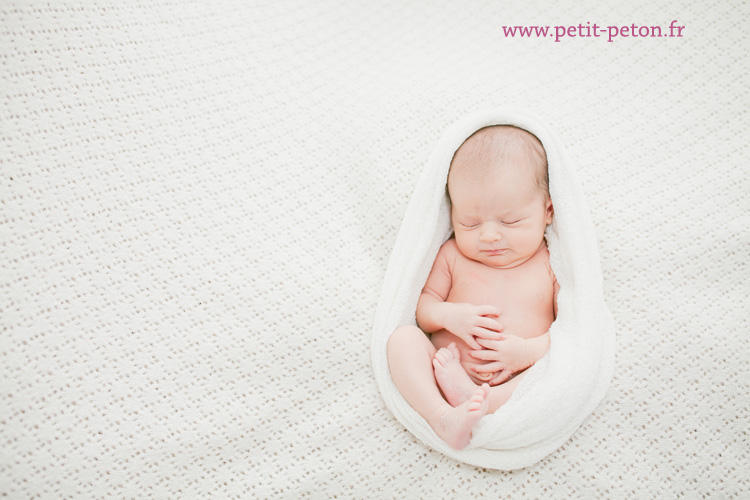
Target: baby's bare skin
522, 295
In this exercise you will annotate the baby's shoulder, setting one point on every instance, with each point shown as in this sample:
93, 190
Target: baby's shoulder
450, 245
449, 248
448, 253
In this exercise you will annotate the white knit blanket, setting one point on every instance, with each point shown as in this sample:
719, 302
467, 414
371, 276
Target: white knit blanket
199, 200
562, 388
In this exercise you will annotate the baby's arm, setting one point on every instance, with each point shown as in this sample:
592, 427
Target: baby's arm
465, 321
537, 347
432, 305
555, 290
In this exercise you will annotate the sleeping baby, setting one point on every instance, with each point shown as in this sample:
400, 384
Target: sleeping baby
491, 296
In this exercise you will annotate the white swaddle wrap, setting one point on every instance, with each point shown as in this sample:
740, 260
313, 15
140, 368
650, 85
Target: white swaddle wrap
562, 388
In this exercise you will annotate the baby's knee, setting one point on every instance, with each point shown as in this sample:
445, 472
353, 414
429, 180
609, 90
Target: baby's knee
408, 338
401, 335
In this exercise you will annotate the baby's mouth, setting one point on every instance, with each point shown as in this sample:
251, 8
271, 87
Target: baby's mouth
484, 375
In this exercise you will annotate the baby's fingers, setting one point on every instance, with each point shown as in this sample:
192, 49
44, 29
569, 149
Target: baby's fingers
501, 377
492, 345
471, 342
488, 311
484, 354
488, 328
489, 367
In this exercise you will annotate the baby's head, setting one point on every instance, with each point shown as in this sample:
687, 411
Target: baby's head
499, 191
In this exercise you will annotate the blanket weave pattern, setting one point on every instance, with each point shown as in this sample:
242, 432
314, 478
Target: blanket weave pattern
199, 200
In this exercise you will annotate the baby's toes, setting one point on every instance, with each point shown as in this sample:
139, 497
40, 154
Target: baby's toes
475, 403
454, 350
436, 363
441, 357
448, 354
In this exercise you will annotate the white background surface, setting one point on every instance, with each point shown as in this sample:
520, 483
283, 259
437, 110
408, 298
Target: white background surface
199, 202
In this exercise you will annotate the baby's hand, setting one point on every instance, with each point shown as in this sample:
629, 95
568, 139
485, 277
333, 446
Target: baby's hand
468, 322
508, 355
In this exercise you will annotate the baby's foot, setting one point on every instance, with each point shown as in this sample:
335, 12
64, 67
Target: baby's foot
454, 425
456, 385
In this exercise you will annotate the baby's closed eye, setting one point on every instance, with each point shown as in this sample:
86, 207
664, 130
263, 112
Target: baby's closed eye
506, 222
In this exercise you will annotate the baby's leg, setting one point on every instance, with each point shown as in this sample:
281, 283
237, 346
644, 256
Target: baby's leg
458, 387
500, 394
410, 355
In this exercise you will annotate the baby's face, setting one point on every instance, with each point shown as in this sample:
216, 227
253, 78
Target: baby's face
500, 220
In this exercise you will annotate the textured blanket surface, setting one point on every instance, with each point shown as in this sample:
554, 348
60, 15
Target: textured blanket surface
198, 204
563, 387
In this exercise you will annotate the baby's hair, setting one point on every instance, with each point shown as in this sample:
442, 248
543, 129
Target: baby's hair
497, 145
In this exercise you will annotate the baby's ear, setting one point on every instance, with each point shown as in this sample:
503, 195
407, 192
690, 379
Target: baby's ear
549, 212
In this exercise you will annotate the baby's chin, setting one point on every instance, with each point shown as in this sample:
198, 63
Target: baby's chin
504, 261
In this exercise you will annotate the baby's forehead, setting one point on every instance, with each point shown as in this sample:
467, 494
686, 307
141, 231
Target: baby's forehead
503, 140
503, 148
481, 166
500, 192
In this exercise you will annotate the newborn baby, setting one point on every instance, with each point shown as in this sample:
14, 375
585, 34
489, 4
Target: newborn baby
490, 297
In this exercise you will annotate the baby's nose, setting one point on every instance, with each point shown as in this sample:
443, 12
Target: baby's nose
490, 234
